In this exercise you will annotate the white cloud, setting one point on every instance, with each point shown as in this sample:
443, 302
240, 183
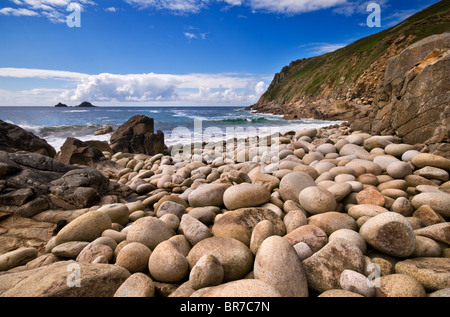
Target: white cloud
111, 9
267, 6
17, 12
211, 89
175, 6
190, 35
292, 6
54, 10
40, 73
322, 48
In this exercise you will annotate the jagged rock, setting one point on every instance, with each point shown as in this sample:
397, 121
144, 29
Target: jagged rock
14, 138
416, 89
74, 151
136, 136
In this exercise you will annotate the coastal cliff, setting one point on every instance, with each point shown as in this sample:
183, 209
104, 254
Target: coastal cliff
349, 84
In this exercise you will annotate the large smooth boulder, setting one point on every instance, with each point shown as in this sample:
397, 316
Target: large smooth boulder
239, 224
65, 279
137, 136
235, 257
293, 183
278, 264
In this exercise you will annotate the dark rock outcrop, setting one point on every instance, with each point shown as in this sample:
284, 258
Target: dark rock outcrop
32, 183
136, 136
61, 105
85, 104
14, 138
75, 151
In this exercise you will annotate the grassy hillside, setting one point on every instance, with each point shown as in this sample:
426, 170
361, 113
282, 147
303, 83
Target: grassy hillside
357, 67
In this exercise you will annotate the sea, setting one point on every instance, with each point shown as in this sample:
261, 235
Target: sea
180, 125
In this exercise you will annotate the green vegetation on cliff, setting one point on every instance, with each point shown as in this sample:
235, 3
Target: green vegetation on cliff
355, 70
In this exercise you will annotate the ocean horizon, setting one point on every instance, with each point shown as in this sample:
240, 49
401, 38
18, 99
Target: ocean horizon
180, 124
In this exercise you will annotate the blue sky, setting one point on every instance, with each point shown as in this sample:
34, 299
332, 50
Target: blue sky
170, 52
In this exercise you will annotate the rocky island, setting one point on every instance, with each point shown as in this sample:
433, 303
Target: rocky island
84, 104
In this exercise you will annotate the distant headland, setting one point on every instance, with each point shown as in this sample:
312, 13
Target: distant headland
84, 104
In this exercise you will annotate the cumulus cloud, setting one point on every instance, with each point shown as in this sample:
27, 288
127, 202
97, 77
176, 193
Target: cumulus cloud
151, 88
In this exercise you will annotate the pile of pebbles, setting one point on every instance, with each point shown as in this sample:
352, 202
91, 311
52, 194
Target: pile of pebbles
336, 213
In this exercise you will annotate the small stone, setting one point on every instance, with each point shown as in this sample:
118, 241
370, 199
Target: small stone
69, 249
170, 207
134, 257
118, 213
208, 271
303, 250
398, 169
439, 202
403, 206
208, 195
398, 285
114, 234
398, 149
355, 282
239, 224
433, 273
323, 268
371, 196
439, 232
385, 160
149, 231
390, 233
351, 236
428, 216
235, 257
354, 149
370, 210
245, 195
262, 230
340, 191
332, 221
194, 230
433, 173
293, 183
86, 227
316, 200
166, 264
408, 155
312, 235
277, 264
241, 288
339, 293
426, 159
17, 258
426, 247
268, 181
294, 219
137, 285
91, 252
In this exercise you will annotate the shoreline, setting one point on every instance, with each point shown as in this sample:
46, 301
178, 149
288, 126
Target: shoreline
323, 183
